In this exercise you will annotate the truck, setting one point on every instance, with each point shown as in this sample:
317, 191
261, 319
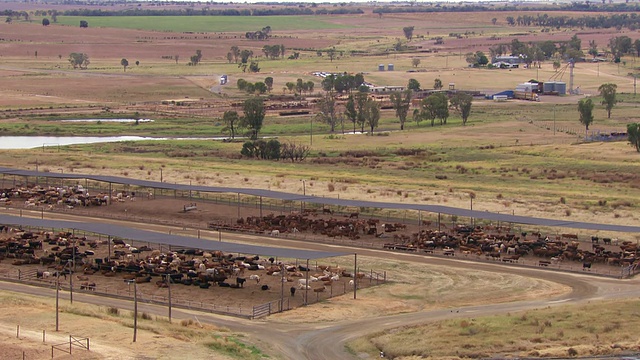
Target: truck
223, 79
527, 91
526, 95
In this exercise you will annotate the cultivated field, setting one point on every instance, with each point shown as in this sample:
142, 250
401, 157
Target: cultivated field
515, 157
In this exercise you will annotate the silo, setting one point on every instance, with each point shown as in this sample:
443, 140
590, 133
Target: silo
548, 87
381, 67
561, 88
390, 67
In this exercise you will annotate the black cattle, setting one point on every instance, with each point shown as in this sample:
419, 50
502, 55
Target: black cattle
223, 284
293, 290
240, 281
264, 287
586, 266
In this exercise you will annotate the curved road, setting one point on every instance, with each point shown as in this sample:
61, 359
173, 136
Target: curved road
327, 340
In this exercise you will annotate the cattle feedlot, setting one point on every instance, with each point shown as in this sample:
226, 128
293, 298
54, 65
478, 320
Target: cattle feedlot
319, 181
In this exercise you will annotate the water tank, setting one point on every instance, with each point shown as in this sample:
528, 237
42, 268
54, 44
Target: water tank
390, 67
561, 88
548, 87
381, 67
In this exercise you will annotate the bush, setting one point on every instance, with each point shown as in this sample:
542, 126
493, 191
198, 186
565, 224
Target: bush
111, 310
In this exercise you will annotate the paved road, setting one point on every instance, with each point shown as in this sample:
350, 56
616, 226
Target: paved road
326, 340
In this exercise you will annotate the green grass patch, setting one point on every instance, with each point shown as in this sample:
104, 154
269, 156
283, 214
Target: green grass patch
205, 23
234, 348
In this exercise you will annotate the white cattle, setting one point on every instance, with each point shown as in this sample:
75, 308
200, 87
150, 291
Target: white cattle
255, 277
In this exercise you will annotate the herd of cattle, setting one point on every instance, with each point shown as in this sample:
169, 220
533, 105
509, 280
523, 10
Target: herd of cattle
51, 196
497, 243
63, 254
351, 226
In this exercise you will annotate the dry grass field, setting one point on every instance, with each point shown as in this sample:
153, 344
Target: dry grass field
509, 157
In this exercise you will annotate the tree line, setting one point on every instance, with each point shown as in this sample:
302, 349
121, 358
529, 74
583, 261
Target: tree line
619, 21
206, 12
574, 6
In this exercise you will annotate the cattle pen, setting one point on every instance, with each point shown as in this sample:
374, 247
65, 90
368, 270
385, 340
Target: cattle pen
314, 282
312, 219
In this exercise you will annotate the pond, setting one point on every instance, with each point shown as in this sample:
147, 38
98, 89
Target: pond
30, 142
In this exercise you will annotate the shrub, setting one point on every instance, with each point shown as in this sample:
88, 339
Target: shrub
331, 187
572, 352
111, 310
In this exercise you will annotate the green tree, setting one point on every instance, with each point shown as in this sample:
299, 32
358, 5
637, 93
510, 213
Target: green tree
269, 82
310, 85
254, 67
585, 108
435, 106
231, 120
260, 87
437, 84
124, 62
575, 43
45, 22
229, 57
299, 86
235, 52
593, 48
636, 45
290, 86
242, 84
331, 53
84, 24
371, 113
351, 111
401, 103
327, 111
494, 21
413, 84
361, 103
245, 55
253, 118
633, 133
556, 65
415, 62
79, 60
548, 48
620, 45
408, 32
462, 103
608, 93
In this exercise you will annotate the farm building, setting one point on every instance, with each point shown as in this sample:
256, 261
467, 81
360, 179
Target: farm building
507, 59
